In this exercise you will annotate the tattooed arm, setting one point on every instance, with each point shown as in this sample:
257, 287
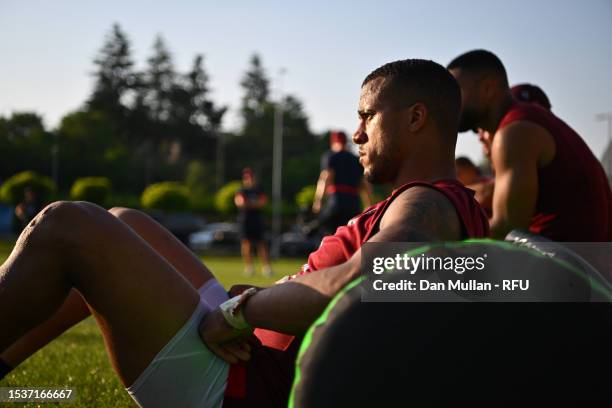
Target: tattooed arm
418, 214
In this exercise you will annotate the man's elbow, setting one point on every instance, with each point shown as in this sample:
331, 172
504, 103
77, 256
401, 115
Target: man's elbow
498, 229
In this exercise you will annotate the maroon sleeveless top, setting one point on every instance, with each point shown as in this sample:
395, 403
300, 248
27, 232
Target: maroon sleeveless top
574, 199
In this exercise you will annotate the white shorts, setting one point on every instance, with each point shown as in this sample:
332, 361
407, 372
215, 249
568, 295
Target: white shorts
185, 373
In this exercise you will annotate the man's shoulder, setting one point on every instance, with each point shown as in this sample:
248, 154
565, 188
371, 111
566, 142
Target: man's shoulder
524, 141
426, 210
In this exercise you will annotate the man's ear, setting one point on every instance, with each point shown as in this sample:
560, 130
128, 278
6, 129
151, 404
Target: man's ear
417, 116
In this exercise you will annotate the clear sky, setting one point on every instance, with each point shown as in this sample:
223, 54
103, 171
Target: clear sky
327, 48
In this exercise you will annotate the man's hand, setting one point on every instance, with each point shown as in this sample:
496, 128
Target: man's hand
239, 288
222, 339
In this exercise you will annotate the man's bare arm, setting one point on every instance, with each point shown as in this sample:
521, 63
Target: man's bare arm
417, 215
517, 152
325, 179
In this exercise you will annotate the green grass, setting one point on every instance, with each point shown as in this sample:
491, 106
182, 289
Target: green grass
78, 360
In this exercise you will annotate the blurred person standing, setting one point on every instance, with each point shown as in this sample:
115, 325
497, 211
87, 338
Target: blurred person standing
27, 209
342, 184
250, 200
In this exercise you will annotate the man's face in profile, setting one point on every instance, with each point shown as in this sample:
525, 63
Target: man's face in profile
471, 109
378, 134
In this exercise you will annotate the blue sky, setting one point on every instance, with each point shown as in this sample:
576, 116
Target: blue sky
326, 47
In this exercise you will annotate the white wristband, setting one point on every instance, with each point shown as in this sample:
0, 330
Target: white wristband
232, 310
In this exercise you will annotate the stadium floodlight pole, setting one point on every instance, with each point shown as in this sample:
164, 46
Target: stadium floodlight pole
220, 157
277, 169
607, 117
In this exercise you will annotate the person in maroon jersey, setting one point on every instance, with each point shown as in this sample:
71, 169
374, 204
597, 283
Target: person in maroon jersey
153, 298
546, 178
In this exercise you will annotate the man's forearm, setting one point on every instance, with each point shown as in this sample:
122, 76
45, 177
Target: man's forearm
293, 306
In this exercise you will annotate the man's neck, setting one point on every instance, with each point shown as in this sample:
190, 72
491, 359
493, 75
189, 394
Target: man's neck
498, 110
428, 171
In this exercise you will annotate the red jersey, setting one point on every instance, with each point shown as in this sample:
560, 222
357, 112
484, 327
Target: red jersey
574, 199
268, 375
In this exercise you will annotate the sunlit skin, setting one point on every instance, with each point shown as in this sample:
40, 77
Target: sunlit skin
516, 151
486, 140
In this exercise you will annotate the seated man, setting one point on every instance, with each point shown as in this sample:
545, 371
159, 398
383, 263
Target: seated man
141, 285
547, 179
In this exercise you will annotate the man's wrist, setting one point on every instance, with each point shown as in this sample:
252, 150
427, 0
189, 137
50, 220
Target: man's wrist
233, 310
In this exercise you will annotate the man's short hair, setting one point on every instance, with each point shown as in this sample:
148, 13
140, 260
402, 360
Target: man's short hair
480, 61
466, 163
416, 80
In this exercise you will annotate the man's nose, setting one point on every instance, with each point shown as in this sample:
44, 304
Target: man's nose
359, 137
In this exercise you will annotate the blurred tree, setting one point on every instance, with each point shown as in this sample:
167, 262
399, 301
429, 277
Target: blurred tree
254, 146
256, 87
159, 80
194, 117
115, 78
25, 144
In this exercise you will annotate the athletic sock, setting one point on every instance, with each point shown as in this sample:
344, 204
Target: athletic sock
267, 271
249, 271
4, 369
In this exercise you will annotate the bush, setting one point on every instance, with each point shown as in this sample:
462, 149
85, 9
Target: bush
203, 203
305, 197
13, 188
224, 198
166, 196
93, 189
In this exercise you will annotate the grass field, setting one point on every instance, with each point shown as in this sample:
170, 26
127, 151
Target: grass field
77, 359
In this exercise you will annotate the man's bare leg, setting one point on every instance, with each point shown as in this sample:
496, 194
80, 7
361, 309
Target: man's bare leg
74, 309
137, 297
245, 249
264, 256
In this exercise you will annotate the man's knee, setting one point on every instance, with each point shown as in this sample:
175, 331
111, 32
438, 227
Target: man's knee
59, 211
128, 215
120, 211
57, 222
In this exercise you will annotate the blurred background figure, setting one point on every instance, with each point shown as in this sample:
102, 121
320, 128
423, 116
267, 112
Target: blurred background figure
341, 183
250, 201
547, 179
531, 93
26, 210
471, 177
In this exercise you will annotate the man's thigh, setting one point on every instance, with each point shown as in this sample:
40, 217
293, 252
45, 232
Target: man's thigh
139, 300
